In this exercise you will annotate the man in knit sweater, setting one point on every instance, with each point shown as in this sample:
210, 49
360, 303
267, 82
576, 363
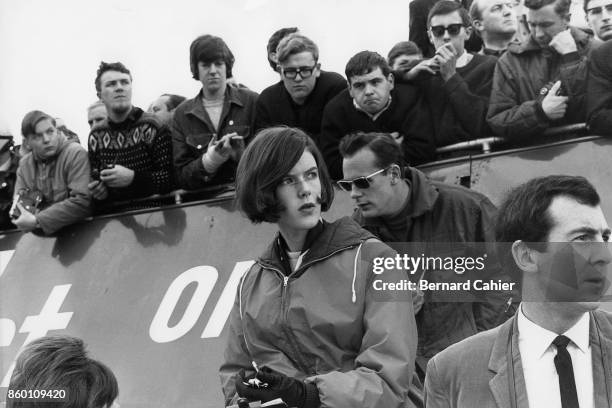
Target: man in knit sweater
130, 153
374, 103
599, 96
457, 84
304, 90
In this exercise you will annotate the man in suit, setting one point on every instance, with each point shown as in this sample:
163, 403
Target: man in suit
555, 351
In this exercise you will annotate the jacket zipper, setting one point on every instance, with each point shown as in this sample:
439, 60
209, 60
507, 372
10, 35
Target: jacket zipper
284, 309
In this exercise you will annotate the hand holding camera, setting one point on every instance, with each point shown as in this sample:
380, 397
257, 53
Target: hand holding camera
554, 105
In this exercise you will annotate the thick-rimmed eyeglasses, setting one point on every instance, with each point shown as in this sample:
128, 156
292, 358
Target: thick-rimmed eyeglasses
595, 11
453, 29
362, 182
291, 73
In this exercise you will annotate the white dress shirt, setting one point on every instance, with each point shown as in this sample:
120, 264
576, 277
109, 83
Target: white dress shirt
537, 357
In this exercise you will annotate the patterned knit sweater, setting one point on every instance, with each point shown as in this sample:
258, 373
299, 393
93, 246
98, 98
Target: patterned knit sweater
140, 143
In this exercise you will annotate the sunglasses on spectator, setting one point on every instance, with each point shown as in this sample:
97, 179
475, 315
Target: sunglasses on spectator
597, 10
291, 73
453, 29
362, 182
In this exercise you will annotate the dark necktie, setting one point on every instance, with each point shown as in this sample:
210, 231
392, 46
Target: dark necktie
567, 383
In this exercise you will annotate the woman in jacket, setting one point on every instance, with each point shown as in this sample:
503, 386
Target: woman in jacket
307, 320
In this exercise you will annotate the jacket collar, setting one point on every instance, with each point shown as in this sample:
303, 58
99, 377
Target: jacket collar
332, 237
581, 37
600, 339
232, 96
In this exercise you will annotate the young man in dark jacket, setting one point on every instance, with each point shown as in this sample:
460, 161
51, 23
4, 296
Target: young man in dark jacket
209, 132
599, 99
409, 208
542, 82
373, 103
304, 90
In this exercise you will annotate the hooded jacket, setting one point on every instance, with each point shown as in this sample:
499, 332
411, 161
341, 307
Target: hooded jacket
443, 213
324, 323
62, 180
515, 108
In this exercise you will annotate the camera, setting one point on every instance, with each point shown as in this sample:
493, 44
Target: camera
31, 200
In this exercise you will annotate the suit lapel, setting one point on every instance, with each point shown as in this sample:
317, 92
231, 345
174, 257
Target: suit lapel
600, 338
499, 384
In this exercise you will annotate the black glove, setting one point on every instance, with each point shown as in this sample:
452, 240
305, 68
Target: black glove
293, 392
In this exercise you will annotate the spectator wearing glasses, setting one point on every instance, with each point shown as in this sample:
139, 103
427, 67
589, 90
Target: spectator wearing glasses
374, 103
456, 83
303, 91
599, 16
209, 132
541, 82
403, 205
599, 99
495, 21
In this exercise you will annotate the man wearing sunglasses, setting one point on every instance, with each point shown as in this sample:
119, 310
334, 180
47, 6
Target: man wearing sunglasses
541, 83
304, 90
599, 16
374, 103
457, 83
403, 205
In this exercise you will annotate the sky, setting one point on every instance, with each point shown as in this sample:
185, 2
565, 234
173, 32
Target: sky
50, 50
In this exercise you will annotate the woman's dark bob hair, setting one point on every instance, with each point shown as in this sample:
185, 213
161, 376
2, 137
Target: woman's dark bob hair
266, 160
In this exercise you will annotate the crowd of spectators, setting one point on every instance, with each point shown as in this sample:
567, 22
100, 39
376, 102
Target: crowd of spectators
469, 72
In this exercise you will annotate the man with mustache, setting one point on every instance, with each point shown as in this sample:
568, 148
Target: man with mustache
374, 103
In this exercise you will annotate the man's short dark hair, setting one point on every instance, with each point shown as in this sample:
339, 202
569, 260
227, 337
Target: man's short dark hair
524, 214
28, 124
403, 48
208, 49
275, 39
294, 44
445, 7
109, 66
385, 148
365, 62
61, 362
266, 160
173, 101
562, 7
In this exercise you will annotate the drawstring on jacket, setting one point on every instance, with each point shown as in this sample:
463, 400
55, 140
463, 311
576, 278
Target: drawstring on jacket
354, 298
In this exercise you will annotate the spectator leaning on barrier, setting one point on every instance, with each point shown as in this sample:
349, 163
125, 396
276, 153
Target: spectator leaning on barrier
555, 351
51, 188
456, 83
405, 206
495, 21
542, 82
275, 38
60, 365
209, 132
96, 114
130, 153
165, 106
599, 16
373, 102
599, 96
304, 90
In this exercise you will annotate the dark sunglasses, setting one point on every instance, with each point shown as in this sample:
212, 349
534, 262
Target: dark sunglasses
597, 10
291, 73
453, 29
362, 182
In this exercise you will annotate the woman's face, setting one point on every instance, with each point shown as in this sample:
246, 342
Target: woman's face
300, 195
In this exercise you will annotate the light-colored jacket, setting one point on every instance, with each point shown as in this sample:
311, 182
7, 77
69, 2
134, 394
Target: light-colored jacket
62, 180
475, 372
325, 324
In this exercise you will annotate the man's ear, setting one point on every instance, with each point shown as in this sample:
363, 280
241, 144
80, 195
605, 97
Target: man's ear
478, 25
431, 40
468, 31
391, 79
524, 257
395, 172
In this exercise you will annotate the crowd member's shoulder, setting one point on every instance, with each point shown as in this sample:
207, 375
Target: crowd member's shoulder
602, 53
332, 79
484, 61
340, 101
244, 95
272, 91
151, 119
